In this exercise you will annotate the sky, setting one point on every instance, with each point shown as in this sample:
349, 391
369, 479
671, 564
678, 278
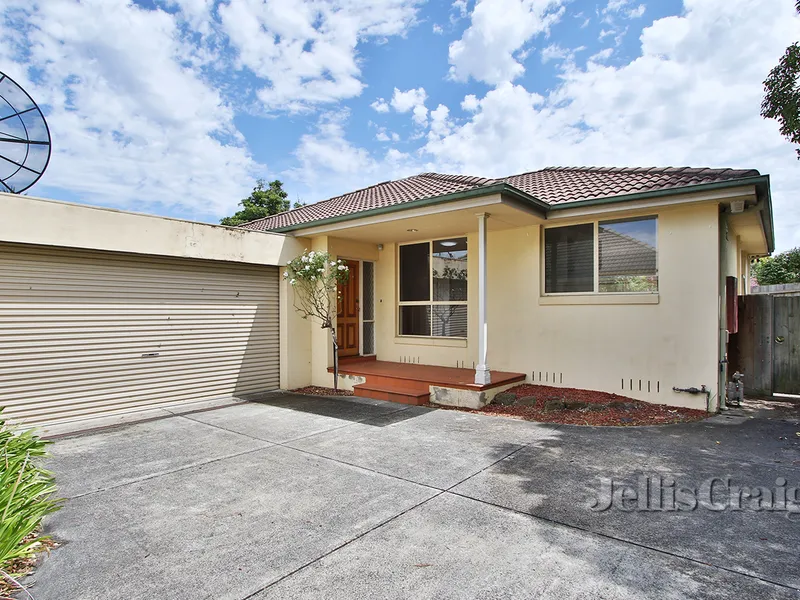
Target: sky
177, 107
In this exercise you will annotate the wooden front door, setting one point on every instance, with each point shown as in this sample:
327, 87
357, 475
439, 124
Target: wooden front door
347, 313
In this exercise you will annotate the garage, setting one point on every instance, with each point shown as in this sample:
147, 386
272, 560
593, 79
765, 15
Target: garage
86, 333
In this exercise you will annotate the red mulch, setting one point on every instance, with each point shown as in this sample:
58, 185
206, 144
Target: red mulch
314, 390
627, 413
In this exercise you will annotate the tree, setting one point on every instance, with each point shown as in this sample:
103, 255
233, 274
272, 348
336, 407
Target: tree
316, 277
781, 268
782, 93
265, 200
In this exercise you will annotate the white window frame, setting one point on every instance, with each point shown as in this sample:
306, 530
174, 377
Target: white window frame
596, 239
430, 302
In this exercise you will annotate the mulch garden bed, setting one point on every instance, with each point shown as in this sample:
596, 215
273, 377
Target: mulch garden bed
314, 390
21, 567
584, 407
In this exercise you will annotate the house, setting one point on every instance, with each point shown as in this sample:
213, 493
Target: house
611, 279
618, 280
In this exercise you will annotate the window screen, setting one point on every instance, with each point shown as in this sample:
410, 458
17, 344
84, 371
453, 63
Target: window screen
569, 259
415, 320
415, 272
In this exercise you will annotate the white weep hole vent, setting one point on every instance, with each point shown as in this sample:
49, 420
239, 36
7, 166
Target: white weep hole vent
737, 206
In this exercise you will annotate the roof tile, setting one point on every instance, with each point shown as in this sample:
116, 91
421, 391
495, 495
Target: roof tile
553, 185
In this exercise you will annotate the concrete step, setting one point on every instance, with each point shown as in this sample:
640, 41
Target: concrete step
392, 392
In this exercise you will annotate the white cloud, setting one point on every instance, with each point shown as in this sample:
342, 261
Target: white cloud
108, 74
624, 9
330, 164
637, 12
461, 7
440, 122
328, 150
554, 52
420, 115
383, 135
691, 98
615, 5
307, 50
380, 105
438, 29
405, 101
602, 56
411, 100
499, 29
470, 103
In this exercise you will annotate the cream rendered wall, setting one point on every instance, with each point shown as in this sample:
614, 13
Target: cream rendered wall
295, 336
29, 220
593, 346
606, 346
429, 351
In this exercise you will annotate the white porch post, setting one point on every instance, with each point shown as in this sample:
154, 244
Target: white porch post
482, 373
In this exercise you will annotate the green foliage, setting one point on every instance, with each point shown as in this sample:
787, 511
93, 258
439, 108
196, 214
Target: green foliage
315, 277
266, 199
781, 268
782, 94
26, 492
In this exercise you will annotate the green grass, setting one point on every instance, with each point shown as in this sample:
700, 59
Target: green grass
26, 492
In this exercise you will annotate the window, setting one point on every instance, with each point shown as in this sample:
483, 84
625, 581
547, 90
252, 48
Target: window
433, 288
569, 259
625, 259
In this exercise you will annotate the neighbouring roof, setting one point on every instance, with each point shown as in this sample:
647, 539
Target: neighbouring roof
553, 186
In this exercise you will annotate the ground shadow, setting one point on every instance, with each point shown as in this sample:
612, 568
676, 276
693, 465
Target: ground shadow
558, 479
345, 408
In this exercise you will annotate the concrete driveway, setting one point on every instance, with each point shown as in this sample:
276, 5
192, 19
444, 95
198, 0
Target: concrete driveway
298, 497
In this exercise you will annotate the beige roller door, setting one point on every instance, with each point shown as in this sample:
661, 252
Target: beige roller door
86, 333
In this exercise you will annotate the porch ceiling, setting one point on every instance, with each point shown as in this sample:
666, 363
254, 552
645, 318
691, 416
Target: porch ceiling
433, 222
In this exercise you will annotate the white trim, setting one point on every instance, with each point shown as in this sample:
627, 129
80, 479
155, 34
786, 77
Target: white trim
360, 307
483, 374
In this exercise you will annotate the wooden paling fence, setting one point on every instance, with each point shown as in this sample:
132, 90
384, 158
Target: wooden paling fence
767, 346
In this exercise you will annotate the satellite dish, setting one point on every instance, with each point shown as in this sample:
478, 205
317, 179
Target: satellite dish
24, 138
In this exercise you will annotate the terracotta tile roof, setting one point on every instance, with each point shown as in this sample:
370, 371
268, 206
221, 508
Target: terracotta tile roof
388, 193
553, 185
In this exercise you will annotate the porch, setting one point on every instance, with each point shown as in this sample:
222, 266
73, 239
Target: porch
413, 383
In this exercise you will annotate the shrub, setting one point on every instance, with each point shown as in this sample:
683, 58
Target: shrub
781, 268
26, 492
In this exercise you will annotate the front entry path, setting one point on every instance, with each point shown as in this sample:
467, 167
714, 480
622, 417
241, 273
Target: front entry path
300, 497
